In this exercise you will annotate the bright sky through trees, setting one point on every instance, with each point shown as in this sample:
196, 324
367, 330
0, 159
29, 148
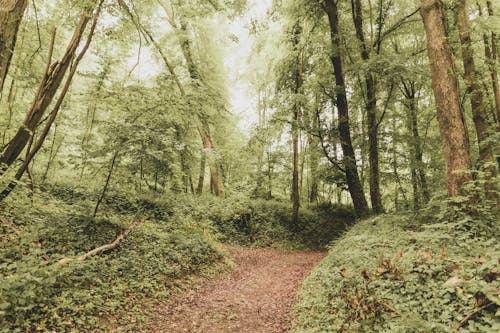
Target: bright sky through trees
243, 101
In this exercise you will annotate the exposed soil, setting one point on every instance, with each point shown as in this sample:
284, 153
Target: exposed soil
256, 297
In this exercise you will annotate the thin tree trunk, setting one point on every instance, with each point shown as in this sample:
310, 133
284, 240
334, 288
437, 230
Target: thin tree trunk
106, 184
269, 174
10, 107
445, 87
11, 15
51, 154
313, 156
349, 158
295, 127
371, 113
91, 118
201, 179
416, 159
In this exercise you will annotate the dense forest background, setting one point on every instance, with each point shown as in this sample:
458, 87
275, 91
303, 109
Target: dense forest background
138, 135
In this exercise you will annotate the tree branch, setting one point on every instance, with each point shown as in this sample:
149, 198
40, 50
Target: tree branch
121, 237
396, 26
323, 146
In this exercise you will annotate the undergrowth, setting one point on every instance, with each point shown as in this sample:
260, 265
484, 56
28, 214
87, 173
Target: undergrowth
179, 238
38, 295
432, 271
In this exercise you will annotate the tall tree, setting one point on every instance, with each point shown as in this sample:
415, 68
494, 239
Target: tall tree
491, 53
445, 87
419, 180
349, 158
11, 14
297, 30
478, 105
371, 102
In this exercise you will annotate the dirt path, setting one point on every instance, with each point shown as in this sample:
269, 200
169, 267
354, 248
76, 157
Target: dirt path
256, 297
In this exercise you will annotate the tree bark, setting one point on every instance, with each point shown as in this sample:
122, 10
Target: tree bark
349, 158
445, 87
11, 14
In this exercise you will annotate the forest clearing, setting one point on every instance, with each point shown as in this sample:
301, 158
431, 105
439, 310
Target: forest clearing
214, 166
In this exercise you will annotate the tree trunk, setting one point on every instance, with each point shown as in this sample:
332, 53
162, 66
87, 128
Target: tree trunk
313, 156
52, 154
11, 14
491, 58
371, 112
416, 160
349, 158
91, 117
445, 87
295, 126
215, 179
478, 105
201, 178
106, 184
203, 129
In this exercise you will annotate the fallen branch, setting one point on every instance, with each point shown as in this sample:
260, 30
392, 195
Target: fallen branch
103, 248
472, 314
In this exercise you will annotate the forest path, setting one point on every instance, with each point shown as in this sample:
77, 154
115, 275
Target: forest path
255, 297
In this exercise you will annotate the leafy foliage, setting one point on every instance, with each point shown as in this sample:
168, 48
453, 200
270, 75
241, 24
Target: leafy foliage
38, 294
394, 274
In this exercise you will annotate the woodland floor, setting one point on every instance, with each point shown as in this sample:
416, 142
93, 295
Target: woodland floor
257, 296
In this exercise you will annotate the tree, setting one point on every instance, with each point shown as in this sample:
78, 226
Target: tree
297, 73
409, 91
11, 14
478, 104
371, 102
349, 158
445, 87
